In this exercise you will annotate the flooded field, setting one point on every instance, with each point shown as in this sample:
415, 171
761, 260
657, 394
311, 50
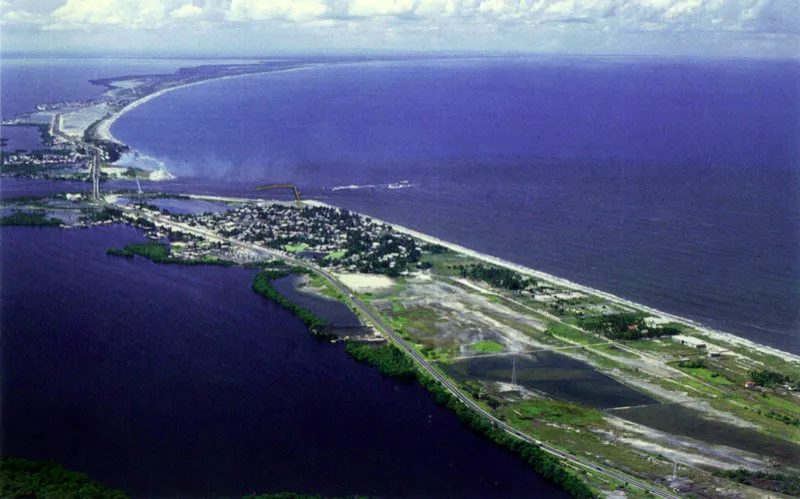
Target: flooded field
553, 374
679, 420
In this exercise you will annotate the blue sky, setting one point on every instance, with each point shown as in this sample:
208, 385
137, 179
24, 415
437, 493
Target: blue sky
717, 28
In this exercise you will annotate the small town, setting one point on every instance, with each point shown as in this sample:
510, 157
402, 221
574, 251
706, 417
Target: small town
331, 237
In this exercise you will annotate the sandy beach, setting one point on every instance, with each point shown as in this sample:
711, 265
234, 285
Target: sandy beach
103, 130
719, 336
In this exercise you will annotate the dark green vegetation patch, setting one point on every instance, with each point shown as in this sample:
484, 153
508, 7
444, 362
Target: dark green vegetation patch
496, 276
37, 219
625, 326
161, 253
262, 285
389, 360
770, 379
777, 482
25, 479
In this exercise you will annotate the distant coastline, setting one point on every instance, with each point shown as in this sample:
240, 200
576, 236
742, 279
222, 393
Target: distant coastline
103, 129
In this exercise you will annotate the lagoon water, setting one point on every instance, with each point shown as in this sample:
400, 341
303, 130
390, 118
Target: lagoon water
172, 381
675, 183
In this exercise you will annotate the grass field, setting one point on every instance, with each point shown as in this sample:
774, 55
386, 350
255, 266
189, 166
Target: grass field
708, 375
336, 255
571, 333
295, 248
552, 410
487, 347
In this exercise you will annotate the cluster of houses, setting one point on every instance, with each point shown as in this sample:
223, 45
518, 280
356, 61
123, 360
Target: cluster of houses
331, 236
43, 158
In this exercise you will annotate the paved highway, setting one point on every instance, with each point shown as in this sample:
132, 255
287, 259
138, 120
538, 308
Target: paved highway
387, 331
94, 169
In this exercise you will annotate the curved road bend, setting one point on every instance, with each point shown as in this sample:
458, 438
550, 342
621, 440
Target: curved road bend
421, 361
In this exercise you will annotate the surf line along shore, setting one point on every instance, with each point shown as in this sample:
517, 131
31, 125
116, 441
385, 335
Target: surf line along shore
722, 337
103, 129
717, 335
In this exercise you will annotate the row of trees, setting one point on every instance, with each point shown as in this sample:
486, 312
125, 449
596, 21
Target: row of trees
262, 285
161, 253
387, 358
769, 379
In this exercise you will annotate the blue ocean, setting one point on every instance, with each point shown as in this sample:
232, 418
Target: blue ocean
675, 183
30, 81
671, 182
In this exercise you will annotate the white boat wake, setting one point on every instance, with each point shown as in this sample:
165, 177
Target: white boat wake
403, 184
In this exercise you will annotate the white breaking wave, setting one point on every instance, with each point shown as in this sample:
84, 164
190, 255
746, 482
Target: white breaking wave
403, 184
353, 187
158, 169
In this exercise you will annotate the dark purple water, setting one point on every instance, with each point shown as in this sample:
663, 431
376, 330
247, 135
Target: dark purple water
21, 137
171, 381
675, 183
28, 81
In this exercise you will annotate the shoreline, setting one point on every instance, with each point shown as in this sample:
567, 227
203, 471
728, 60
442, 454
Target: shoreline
713, 334
103, 130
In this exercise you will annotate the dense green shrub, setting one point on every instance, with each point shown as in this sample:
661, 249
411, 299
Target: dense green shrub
160, 253
625, 326
692, 363
765, 377
25, 479
777, 482
389, 360
36, 219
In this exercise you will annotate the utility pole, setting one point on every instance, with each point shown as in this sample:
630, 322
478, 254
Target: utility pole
514, 370
96, 174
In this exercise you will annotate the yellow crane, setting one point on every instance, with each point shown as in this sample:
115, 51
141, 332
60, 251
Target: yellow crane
284, 186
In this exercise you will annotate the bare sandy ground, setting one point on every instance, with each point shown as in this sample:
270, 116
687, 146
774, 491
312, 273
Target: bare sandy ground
366, 283
76, 122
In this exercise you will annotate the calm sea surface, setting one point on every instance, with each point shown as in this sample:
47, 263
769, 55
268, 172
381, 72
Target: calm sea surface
674, 183
671, 182
171, 381
27, 82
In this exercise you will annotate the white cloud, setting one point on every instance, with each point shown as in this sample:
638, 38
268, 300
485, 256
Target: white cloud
418, 23
631, 15
21, 17
373, 8
259, 10
187, 11
135, 14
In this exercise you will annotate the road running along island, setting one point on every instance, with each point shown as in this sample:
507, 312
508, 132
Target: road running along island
631, 398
